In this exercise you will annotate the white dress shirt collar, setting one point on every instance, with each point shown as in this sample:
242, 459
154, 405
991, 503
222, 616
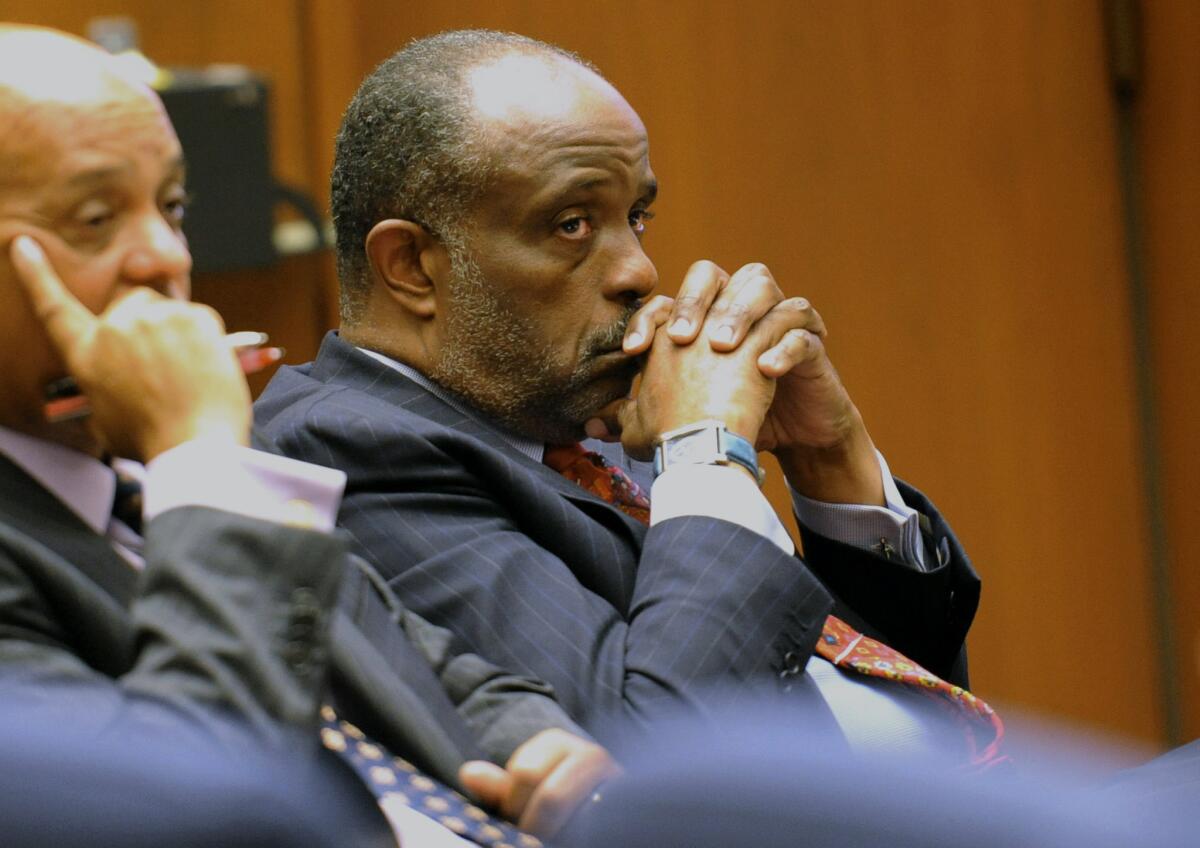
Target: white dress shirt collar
84, 484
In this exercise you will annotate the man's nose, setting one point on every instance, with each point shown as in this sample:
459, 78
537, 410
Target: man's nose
158, 256
632, 274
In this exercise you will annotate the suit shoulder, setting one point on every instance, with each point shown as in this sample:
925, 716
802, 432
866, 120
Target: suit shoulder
294, 402
346, 427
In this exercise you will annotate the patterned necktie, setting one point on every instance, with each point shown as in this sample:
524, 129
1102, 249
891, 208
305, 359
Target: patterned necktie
396, 781
600, 477
840, 643
846, 648
127, 501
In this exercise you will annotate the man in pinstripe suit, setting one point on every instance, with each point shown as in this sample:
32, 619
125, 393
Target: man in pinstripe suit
490, 194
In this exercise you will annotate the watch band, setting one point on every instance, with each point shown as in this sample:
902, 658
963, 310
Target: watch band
705, 442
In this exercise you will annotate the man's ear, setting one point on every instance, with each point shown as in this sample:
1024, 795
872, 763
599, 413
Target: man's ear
409, 263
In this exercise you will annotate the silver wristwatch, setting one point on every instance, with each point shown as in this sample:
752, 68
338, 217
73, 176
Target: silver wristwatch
705, 443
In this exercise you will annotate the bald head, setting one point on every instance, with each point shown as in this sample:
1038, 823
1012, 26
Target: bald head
48, 73
519, 87
412, 145
45, 66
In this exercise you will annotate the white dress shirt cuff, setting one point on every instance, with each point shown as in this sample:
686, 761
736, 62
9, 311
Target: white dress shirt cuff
715, 491
893, 531
243, 481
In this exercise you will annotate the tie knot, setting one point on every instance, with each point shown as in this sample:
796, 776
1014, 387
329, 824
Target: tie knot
127, 501
600, 477
562, 457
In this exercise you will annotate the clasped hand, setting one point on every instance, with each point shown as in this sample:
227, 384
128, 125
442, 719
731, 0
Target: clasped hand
734, 348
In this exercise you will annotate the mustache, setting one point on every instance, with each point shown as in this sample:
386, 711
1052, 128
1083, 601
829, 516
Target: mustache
608, 339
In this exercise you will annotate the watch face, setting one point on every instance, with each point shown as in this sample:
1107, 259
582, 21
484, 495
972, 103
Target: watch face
694, 448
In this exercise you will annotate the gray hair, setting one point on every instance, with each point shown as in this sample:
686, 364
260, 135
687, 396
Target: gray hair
406, 148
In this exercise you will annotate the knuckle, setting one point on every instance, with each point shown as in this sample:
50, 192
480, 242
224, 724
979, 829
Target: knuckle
134, 297
703, 273
768, 287
735, 310
661, 304
796, 341
49, 311
211, 314
553, 736
592, 751
551, 802
525, 774
752, 269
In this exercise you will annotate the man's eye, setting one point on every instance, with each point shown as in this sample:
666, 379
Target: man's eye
575, 227
94, 215
638, 219
175, 207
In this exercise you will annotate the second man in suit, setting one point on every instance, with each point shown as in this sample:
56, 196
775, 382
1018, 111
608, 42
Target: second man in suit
490, 195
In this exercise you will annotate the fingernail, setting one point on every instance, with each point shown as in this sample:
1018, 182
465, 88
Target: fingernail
633, 340
723, 334
681, 326
28, 248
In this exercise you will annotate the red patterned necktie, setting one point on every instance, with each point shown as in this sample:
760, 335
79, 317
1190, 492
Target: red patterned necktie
846, 648
600, 477
839, 643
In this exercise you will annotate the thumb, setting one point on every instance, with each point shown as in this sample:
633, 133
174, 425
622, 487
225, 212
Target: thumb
486, 781
636, 441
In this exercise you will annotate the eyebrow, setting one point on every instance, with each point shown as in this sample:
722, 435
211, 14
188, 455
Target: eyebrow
649, 192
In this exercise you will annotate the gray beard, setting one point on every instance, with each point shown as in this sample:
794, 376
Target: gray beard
501, 362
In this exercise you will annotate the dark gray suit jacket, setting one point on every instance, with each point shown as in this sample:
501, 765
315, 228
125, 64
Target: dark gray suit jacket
539, 575
245, 618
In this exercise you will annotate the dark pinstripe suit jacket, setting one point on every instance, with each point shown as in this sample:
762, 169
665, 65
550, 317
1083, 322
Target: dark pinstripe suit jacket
541, 576
244, 616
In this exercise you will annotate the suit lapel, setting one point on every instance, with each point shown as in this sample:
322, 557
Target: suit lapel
27, 507
83, 578
594, 505
341, 363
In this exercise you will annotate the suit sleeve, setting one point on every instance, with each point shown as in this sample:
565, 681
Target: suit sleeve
923, 614
198, 728
615, 627
501, 710
230, 618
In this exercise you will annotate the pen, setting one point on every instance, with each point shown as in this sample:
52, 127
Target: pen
65, 402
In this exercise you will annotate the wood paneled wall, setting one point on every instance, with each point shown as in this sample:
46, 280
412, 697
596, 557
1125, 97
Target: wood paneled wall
1169, 136
940, 179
